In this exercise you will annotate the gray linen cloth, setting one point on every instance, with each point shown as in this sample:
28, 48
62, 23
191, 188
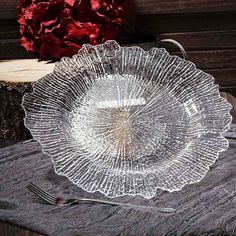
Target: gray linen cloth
208, 207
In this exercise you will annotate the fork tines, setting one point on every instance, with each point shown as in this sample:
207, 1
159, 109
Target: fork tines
41, 193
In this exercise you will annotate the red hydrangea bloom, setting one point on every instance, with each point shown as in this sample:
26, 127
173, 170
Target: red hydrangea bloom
57, 28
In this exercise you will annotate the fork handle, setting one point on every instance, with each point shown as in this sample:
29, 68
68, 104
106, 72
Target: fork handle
160, 209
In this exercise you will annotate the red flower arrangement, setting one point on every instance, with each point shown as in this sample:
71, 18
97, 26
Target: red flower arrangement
57, 28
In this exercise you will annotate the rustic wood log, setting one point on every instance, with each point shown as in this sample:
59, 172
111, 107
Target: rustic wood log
12, 128
16, 78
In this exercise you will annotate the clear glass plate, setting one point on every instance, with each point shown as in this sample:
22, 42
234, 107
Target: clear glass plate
124, 121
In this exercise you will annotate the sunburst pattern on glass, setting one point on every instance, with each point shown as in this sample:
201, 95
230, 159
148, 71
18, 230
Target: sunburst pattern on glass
124, 121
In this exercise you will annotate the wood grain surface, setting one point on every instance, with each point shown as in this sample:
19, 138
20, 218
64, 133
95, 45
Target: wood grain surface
9, 29
224, 77
204, 40
183, 6
160, 23
25, 70
149, 6
189, 22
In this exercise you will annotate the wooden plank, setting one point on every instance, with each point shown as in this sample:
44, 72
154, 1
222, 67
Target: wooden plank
159, 24
204, 40
212, 59
183, 6
11, 49
224, 77
9, 29
8, 7
185, 22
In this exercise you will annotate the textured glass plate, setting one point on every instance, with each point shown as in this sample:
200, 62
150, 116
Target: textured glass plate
124, 121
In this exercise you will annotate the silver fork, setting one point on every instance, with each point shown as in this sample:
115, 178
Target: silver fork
59, 201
